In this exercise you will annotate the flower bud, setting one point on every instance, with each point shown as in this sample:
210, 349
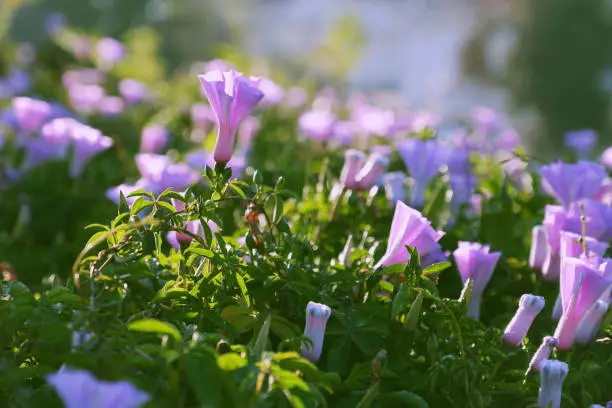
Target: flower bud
394, 187
557, 309
370, 173
529, 307
590, 323
353, 162
539, 247
317, 315
543, 352
552, 375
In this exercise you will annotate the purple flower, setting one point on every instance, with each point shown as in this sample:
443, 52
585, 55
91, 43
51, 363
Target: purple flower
509, 139
86, 98
353, 162
133, 91
232, 97
409, 228
572, 182
163, 173
462, 186
202, 116
571, 246
246, 132
419, 121
598, 219
423, 159
111, 106
457, 159
39, 151
85, 76
486, 119
199, 159
110, 52
581, 286
543, 352
552, 374
475, 263
88, 142
554, 222
529, 307
317, 124
296, 97
317, 315
30, 113
539, 247
606, 158
344, 132
371, 171
154, 139
372, 120
582, 141
273, 93
80, 389
590, 323
604, 194
394, 186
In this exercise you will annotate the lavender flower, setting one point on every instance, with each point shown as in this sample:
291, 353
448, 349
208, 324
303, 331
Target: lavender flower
475, 263
371, 171
30, 113
232, 97
154, 139
552, 374
571, 245
353, 162
86, 99
571, 182
598, 219
317, 315
88, 142
462, 187
582, 284
80, 389
202, 116
111, 106
590, 323
539, 247
317, 124
581, 141
273, 93
133, 91
529, 307
394, 186
296, 97
554, 221
163, 173
606, 158
423, 159
109, 52
409, 228
543, 352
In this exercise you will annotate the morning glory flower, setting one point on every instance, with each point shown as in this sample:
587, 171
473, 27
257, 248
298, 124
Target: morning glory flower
590, 323
409, 228
317, 315
133, 91
109, 52
529, 307
394, 186
606, 158
539, 247
598, 219
475, 263
571, 246
232, 97
582, 284
571, 182
552, 375
80, 389
353, 162
154, 139
317, 124
423, 158
87, 142
543, 352
30, 113
371, 171
581, 141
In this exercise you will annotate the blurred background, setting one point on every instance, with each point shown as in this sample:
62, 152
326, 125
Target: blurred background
544, 63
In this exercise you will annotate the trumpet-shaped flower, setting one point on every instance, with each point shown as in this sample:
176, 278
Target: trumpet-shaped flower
539, 247
317, 124
371, 171
581, 141
571, 182
153, 139
109, 52
232, 97
582, 284
30, 113
543, 352
598, 219
80, 389
552, 375
529, 307
394, 186
606, 158
133, 91
423, 159
571, 245
554, 221
353, 162
462, 186
409, 228
477, 264
88, 142
163, 173
590, 323
317, 315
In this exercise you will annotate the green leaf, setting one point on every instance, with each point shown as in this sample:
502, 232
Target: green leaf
393, 269
404, 399
140, 204
140, 192
155, 326
205, 378
436, 268
238, 190
262, 337
369, 397
412, 318
206, 253
231, 362
402, 297
166, 206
